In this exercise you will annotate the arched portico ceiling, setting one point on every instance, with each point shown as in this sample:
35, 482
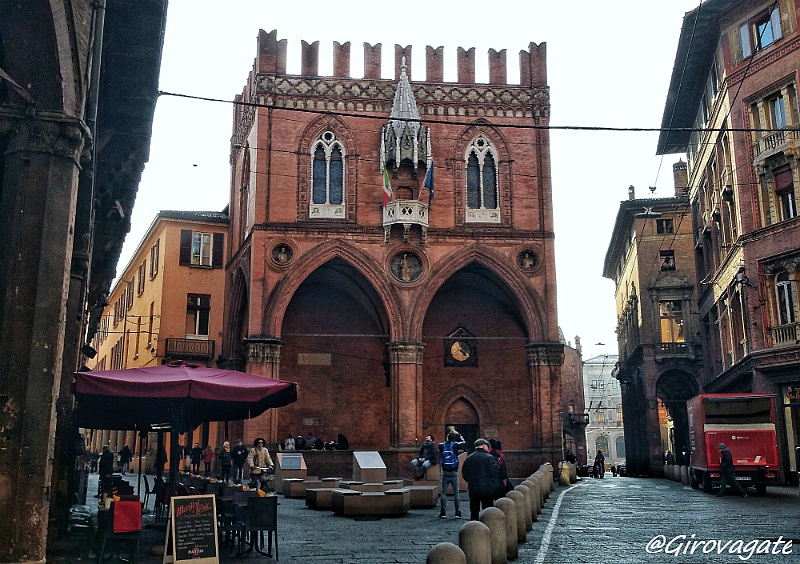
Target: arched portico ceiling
337, 263
481, 268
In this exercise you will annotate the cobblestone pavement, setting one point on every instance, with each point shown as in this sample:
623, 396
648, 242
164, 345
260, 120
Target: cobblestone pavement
606, 520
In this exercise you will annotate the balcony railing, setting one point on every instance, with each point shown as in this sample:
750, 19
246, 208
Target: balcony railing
190, 348
664, 351
784, 334
774, 143
406, 213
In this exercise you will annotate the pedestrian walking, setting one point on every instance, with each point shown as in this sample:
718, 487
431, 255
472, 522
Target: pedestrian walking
727, 472
482, 476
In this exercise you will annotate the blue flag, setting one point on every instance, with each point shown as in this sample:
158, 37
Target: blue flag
429, 181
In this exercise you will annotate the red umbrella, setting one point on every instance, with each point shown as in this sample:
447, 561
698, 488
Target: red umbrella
179, 395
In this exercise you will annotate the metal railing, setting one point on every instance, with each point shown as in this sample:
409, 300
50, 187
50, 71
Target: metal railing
190, 348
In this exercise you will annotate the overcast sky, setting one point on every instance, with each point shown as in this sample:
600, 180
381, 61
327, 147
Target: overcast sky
609, 65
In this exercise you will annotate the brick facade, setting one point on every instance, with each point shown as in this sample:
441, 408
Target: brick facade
362, 307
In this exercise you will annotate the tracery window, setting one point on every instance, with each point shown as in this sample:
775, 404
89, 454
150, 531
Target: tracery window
327, 177
482, 182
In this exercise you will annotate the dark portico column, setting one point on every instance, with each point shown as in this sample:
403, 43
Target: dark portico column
405, 365
37, 208
263, 357
544, 367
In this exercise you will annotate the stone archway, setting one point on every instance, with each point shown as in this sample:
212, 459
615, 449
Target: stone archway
673, 389
462, 416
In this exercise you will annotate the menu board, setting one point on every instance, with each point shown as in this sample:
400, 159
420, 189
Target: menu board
193, 530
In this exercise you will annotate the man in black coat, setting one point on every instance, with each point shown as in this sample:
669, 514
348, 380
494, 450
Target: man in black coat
238, 457
482, 476
727, 474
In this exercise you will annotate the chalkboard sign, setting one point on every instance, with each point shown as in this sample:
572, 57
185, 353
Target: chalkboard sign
291, 461
193, 533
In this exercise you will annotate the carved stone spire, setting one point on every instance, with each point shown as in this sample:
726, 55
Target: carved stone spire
405, 138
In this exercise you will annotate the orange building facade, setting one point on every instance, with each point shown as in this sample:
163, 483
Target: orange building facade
392, 252
167, 305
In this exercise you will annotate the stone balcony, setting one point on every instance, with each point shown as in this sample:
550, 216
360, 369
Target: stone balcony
783, 140
405, 213
666, 351
785, 334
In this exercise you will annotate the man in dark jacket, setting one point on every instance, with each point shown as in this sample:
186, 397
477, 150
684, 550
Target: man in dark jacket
426, 457
482, 476
238, 457
727, 474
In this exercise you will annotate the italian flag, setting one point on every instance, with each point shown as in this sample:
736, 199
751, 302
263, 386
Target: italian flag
387, 188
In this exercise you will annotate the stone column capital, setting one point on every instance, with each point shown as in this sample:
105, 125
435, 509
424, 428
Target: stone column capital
405, 352
265, 350
545, 354
51, 134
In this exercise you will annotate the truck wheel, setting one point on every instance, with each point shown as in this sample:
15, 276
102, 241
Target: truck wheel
761, 489
706, 483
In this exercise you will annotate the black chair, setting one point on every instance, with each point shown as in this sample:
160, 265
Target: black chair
259, 516
148, 490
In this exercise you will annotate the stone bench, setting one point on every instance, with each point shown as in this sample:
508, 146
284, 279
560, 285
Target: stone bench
293, 487
352, 503
319, 498
423, 497
374, 487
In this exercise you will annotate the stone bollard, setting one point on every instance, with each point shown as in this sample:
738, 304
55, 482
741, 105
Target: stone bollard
535, 499
495, 519
541, 481
685, 475
527, 493
563, 474
509, 507
475, 539
519, 499
549, 470
573, 473
446, 553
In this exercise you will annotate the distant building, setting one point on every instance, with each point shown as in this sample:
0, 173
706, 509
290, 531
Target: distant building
573, 410
732, 109
651, 260
166, 305
603, 396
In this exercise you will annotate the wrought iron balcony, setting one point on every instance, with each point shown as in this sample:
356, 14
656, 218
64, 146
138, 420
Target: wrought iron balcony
190, 348
785, 334
406, 213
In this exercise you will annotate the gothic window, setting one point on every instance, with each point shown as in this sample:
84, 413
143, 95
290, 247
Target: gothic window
784, 299
327, 177
482, 183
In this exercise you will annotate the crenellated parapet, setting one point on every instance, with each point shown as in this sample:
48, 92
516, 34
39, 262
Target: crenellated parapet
271, 59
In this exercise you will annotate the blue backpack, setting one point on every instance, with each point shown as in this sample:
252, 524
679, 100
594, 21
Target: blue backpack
449, 458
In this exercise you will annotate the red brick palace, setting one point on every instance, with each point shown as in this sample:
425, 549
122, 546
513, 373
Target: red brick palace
392, 251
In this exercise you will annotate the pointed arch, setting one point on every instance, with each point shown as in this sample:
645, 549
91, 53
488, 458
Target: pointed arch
363, 263
237, 323
530, 304
462, 392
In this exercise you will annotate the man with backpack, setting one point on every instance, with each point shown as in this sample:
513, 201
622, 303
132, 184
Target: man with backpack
449, 462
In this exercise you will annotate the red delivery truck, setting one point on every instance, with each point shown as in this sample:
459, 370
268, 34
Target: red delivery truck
746, 424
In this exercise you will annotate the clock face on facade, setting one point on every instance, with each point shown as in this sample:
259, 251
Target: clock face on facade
460, 350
